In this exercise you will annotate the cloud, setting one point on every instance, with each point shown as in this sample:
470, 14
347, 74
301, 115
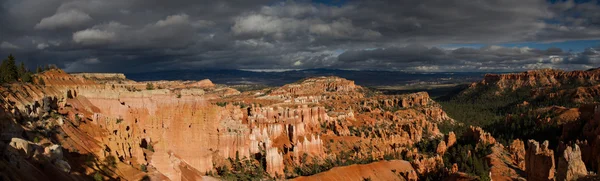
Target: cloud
93, 37
258, 25
590, 56
342, 29
83, 64
174, 31
68, 19
293, 21
486, 58
7, 45
137, 36
91, 61
42, 46
174, 20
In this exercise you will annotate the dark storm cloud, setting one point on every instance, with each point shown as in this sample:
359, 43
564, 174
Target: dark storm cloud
149, 35
488, 58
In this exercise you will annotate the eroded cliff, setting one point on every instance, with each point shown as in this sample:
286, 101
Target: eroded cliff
112, 127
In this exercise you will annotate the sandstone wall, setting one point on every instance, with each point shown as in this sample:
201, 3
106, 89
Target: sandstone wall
539, 161
570, 166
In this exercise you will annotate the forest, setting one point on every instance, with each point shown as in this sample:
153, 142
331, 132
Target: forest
10, 72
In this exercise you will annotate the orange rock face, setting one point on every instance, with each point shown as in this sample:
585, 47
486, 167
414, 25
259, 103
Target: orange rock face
181, 129
479, 135
545, 83
441, 148
454, 168
383, 170
426, 165
451, 139
316, 86
539, 78
585, 132
570, 166
539, 161
517, 153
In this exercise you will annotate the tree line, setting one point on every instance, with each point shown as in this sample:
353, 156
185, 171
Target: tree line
10, 72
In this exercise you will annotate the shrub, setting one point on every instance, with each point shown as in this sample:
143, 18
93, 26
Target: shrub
111, 161
222, 104
98, 176
150, 147
143, 168
149, 86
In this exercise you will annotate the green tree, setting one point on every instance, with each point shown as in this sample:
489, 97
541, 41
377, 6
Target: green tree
21, 71
27, 77
8, 69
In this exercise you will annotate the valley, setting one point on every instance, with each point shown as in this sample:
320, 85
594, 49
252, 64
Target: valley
535, 125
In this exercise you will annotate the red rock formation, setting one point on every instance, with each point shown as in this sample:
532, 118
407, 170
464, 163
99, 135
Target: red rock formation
570, 166
591, 132
538, 78
202, 84
451, 139
382, 170
454, 168
426, 165
545, 83
588, 130
517, 153
539, 161
441, 148
180, 129
401, 101
274, 162
479, 135
316, 86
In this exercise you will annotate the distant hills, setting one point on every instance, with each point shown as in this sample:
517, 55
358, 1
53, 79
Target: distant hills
361, 77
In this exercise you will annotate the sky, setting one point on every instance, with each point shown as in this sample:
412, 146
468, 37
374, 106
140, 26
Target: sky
133, 36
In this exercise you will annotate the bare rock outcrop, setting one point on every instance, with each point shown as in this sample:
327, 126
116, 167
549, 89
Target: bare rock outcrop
517, 153
383, 170
479, 135
426, 165
538, 78
450, 140
316, 86
570, 166
274, 162
539, 162
454, 168
181, 129
545, 82
441, 148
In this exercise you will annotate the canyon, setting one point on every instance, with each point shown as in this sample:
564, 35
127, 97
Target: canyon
106, 127
109, 127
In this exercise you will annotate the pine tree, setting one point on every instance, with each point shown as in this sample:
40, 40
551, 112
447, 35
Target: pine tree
2, 70
27, 77
22, 71
39, 69
9, 70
